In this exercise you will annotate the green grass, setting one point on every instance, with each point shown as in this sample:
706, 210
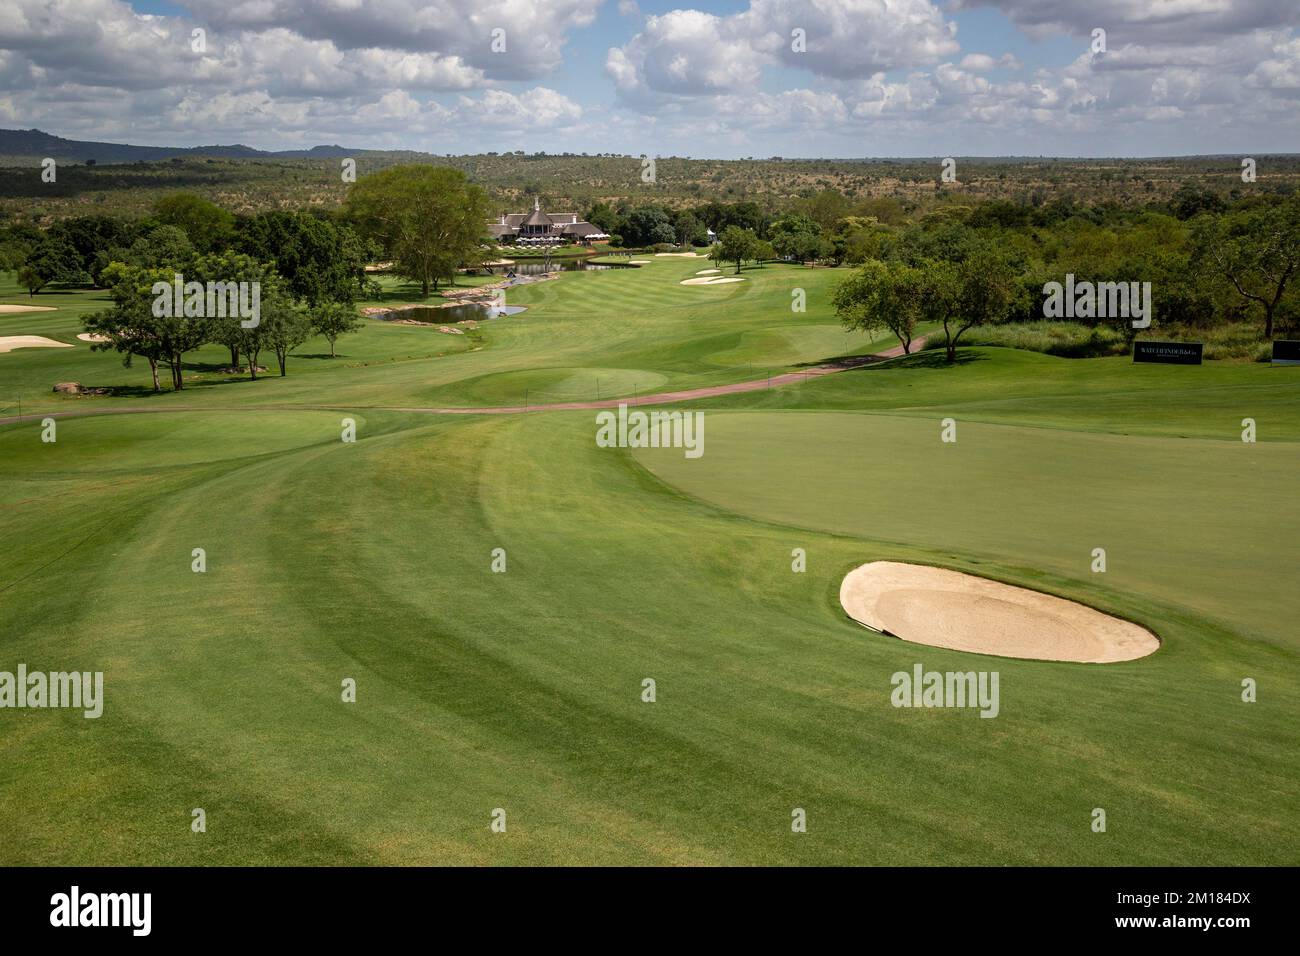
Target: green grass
1067, 339
640, 324
522, 690
1242, 341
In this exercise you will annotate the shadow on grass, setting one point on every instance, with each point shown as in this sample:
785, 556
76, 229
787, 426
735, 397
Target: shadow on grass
927, 359
932, 358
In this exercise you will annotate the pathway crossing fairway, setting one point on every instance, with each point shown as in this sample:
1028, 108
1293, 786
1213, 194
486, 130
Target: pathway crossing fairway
522, 690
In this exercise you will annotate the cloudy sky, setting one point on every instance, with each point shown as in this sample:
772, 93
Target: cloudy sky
718, 78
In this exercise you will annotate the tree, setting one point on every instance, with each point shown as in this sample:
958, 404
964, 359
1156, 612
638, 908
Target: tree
881, 295
982, 290
1258, 253
763, 251
12, 256
30, 280
17, 240
824, 208
796, 237
207, 225
93, 237
259, 279
164, 247
334, 319
429, 219
603, 215
132, 328
285, 326
321, 261
1190, 200
737, 245
690, 231
55, 260
647, 225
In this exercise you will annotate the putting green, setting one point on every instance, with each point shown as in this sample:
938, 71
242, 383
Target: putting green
1205, 524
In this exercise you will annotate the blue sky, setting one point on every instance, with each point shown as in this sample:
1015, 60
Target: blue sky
705, 78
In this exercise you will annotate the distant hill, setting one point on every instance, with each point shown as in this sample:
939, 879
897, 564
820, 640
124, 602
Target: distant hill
126, 180
34, 144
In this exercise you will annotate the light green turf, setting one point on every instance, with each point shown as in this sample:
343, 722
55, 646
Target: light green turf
522, 690
1207, 523
634, 328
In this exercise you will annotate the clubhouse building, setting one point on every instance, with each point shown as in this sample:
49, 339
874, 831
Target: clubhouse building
539, 228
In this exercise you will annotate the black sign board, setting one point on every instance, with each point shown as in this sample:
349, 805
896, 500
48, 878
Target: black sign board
1286, 352
1170, 353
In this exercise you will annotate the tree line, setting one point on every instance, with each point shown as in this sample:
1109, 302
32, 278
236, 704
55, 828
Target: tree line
310, 270
1208, 262
1209, 258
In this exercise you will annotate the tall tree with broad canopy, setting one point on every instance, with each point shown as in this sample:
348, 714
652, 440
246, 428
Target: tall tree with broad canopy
982, 289
234, 268
1258, 253
429, 219
207, 225
737, 245
131, 328
797, 237
881, 295
319, 260
55, 260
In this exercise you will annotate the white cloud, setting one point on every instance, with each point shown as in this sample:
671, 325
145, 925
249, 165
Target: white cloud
978, 62
538, 108
535, 32
1145, 21
693, 53
686, 52
851, 39
878, 77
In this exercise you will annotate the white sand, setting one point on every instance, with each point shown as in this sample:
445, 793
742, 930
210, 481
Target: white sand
91, 337
680, 255
708, 272
639, 262
943, 608
712, 280
10, 342
5, 309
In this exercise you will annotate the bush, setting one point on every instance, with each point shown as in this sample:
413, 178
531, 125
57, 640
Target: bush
1066, 339
1233, 341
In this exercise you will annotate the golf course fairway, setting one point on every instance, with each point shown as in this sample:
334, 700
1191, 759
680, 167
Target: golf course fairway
499, 588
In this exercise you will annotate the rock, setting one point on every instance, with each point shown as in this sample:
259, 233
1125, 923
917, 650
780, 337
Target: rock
68, 388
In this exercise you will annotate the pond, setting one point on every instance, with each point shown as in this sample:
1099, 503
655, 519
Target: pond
452, 314
536, 267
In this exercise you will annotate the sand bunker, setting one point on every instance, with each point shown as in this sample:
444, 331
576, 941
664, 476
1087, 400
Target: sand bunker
679, 255
91, 337
945, 608
10, 342
712, 280
26, 308
639, 262
708, 272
